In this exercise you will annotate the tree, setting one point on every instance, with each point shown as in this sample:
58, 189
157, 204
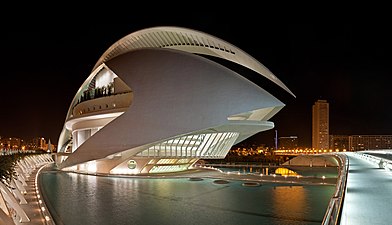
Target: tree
7, 168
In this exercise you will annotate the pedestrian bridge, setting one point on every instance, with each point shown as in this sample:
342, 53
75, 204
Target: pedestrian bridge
366, 197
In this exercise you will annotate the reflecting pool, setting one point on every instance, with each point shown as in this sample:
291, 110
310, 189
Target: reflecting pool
75, 199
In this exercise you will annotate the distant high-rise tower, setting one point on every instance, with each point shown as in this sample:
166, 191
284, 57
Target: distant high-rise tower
320, 125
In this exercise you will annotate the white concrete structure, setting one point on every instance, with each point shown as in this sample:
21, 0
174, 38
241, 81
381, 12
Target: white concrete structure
153, 103
12, 196
316, 160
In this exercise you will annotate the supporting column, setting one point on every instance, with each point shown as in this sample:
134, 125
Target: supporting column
17, 193
9, 197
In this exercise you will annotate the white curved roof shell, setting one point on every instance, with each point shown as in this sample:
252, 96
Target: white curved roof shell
187, 40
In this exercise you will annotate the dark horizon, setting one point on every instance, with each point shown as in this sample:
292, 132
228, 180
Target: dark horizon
346, 64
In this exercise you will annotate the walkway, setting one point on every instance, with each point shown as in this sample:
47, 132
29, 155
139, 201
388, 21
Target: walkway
369, 194
32, 208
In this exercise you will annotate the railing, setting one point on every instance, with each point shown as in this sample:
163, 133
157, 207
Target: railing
15, 151
333, 213
380, 161
109, 102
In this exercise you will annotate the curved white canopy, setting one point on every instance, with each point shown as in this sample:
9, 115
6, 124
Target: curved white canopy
187, 40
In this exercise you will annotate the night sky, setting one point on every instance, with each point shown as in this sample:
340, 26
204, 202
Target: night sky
45, 60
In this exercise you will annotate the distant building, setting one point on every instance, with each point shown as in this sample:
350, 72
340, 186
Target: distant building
320, 125
49, 147
36, 143
290, 142
340, 142
369, 142
13, 143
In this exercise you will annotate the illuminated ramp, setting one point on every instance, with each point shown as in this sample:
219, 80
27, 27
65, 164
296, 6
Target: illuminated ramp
368, 198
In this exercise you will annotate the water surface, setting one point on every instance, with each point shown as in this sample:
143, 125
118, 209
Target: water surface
77, 199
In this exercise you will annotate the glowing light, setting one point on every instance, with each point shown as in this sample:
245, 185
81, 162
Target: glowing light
92, 167
71, 168
285, 172
124, 171
47, 218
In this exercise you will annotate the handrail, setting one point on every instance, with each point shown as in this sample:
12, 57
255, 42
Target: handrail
382, 162
333, 213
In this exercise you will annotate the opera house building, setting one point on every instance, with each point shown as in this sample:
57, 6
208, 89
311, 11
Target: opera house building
160, 99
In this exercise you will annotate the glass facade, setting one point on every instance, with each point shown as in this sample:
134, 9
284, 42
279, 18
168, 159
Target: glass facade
209, 145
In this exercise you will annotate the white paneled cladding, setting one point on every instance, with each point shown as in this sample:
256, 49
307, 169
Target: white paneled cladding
208, 145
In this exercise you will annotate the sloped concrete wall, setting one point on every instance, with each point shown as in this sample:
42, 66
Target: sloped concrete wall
313, 160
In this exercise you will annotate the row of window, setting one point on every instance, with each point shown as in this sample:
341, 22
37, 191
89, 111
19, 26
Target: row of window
96, 107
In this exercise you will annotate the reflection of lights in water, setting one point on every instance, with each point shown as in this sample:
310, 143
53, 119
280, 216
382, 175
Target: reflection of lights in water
168, 197
289, 199
285, 172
